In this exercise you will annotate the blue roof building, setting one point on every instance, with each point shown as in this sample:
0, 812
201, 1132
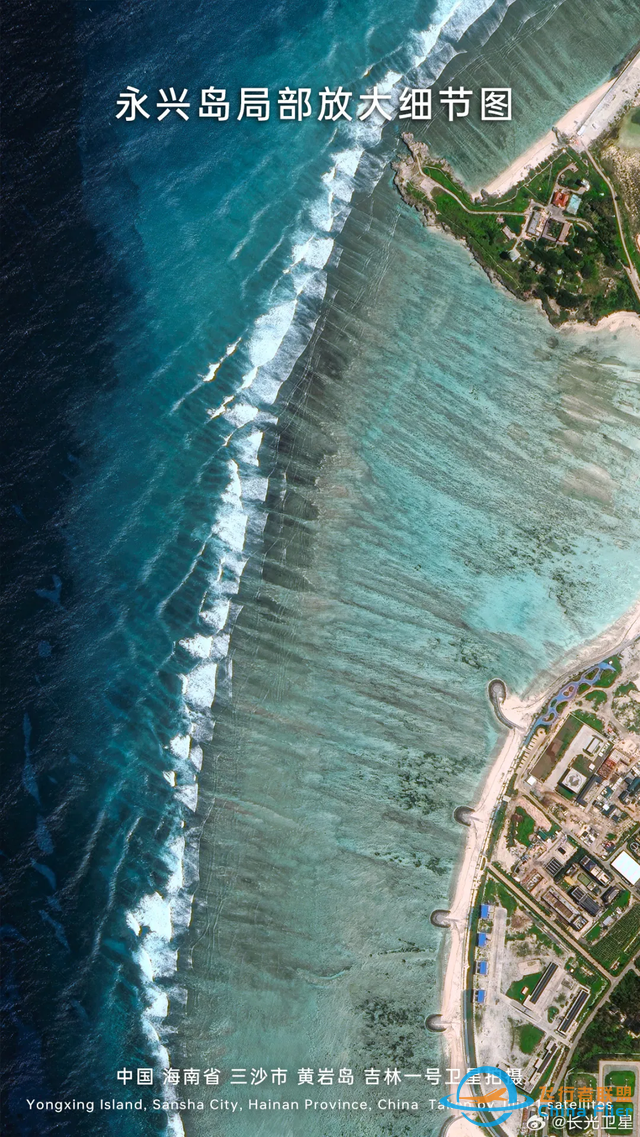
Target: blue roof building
480, 996
483, 967
484, 911
482, 939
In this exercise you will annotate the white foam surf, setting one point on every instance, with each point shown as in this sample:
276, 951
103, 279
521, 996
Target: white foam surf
270, 349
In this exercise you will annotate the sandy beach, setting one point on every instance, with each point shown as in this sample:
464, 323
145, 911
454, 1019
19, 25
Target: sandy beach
521, 711
614, 323
545, 146
582, 124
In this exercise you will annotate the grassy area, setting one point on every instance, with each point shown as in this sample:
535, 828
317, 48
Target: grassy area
581, 1080
590, 720
523, 987
608, 678
529, 1036
616, 948
621, 1082
624, 689
549, 834
597, 697
521, 827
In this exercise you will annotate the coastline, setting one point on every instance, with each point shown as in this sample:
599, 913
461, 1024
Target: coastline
545, 146
613, 323
582, 124
521, 711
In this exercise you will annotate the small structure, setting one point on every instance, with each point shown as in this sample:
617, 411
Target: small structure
480, 996
482, 939
627, 867
574, 204
483, 967
484, 911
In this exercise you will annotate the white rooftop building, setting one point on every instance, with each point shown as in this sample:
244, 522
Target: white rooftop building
627, 867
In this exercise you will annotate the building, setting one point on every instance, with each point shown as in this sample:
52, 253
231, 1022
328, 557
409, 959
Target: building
554, 866
574, 204
561, 198
536, 222
610, 895
595, 870
480, 996
574, 1010
627, 867
483, 967
588, 792
484, 911
482, 939
556, 900
574, 780
544, 979
584, 900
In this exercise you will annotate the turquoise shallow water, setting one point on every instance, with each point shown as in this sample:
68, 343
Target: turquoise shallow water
330, 483
475, 514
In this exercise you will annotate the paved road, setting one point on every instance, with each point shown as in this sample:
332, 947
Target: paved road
612, 102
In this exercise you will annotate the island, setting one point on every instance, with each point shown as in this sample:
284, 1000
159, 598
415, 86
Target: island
562, 225
543, 973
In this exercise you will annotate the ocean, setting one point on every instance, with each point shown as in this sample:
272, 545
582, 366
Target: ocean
291, 480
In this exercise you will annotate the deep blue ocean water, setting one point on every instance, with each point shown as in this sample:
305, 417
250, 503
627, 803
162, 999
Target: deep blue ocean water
290, 480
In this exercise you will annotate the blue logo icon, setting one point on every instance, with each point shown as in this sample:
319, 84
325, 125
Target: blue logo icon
490, 1108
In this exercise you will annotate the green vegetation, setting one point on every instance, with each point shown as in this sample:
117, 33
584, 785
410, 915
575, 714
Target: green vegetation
521, 827
621, 1082
597, 697
583, 277
549, 834
529, 1037
611, 1030
608, 678
616, 948
622, 1078
496, 830
523, 987
507, 900
552, 1012
624, 689
581, 1080
590, 720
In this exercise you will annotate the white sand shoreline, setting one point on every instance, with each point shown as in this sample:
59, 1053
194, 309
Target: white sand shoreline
580, 126
522, 711
546, 146
613, 323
